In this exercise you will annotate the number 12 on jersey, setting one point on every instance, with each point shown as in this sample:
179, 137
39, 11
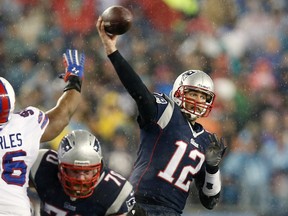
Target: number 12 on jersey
174, 162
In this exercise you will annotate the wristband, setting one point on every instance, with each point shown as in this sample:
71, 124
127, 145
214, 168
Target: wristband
73, 83
212, 169
212, 184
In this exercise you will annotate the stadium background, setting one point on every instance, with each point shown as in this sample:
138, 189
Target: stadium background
242, 44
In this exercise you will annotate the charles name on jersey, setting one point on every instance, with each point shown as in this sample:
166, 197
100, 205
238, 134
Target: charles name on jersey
10, 141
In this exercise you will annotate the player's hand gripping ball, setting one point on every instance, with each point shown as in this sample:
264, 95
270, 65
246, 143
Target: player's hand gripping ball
117, 20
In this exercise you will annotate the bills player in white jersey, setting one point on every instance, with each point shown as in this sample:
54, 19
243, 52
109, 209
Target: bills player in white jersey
22, 132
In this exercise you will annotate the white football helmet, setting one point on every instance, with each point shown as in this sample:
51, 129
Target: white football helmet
79, 151
7, 100
198, 81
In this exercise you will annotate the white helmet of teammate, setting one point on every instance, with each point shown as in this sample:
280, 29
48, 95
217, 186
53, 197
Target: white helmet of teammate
7, 100
195, 80
79, 152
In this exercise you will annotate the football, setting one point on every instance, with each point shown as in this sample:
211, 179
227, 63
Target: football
117, 20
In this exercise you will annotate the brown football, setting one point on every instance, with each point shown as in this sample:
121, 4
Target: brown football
117, 19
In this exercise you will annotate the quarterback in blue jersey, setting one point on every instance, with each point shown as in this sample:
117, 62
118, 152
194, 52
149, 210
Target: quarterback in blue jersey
175, 150
74, 181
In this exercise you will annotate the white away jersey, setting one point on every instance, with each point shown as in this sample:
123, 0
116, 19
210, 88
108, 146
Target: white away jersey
19, 146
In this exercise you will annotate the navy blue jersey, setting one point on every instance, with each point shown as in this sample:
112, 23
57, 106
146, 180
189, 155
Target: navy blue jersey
171, 154
172, 151
112, 195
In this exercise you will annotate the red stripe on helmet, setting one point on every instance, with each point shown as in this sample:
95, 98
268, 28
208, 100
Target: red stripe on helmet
5, 105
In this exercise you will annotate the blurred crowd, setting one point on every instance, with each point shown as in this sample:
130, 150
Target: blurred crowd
241, 44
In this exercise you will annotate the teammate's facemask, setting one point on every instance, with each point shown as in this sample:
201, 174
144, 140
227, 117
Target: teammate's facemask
80, 163
7, 100
79, 187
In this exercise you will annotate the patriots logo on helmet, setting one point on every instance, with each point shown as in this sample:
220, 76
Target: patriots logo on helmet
65, 145
96, 145
186, 74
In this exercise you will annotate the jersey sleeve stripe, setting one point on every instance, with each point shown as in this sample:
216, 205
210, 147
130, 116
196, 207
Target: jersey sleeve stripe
166, 115
40, 117
126, 190
45, 122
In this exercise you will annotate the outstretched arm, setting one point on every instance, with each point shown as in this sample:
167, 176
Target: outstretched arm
60, 115
129, 78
